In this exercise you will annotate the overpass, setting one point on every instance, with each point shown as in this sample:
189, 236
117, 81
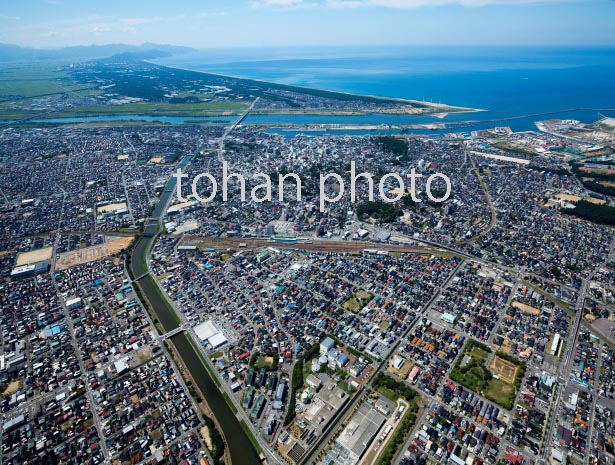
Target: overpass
229, 129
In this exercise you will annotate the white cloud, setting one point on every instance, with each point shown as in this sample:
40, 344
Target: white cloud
86, 26
101, 29
211, 14
345, 3
9, 17
287, 4
420, 3
280, 2
138, 21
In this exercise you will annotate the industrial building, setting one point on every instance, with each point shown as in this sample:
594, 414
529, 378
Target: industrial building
73, 303
556, 343
382, 236
210, 335
361, 430
24, 271
326, 345
449, 318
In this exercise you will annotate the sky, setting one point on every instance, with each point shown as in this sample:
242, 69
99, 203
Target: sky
299, 23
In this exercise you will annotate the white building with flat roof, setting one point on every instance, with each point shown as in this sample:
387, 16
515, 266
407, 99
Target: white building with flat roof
208, 333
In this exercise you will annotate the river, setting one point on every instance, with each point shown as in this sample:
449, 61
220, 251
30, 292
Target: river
241, 450
457, 122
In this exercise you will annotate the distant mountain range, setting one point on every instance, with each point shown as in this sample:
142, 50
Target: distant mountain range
9, 52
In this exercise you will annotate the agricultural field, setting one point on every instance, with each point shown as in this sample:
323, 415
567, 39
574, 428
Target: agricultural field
25, 81
158, 108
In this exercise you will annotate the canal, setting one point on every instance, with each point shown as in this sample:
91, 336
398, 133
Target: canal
240, 448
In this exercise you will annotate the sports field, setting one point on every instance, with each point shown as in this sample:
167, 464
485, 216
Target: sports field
505, 370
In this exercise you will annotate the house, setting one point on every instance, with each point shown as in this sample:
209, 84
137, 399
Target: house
514, 457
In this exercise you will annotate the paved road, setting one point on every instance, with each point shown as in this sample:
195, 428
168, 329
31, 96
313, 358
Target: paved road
564, 370
592, 413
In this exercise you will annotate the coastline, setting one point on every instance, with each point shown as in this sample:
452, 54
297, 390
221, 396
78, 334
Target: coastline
438, 107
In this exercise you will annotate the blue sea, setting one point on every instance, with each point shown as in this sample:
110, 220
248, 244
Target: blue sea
505, 81
515, 86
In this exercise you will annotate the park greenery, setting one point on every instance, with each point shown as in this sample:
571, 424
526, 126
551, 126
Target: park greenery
473, 373
598, 187
399, 436
476, 376
297, 381
217, 442
599, 181
395, 145
358, 300
394, 390
381, 211
264, 360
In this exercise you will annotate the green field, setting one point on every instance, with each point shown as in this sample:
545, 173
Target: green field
24, 82
253, 440
157, 108
19, 82
358, 300
499, 392
388, 393
478, 353
150, 109
163, 91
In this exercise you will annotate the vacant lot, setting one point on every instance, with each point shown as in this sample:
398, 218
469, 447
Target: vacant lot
111, 207
526, 308
13, 387
95, 252
34, 256
478, 353
264, 361
576, 198
404, 371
